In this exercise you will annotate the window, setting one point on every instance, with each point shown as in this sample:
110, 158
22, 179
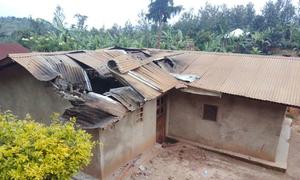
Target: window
210, 112
140, 114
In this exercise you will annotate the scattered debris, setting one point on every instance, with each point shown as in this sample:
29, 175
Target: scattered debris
142, 168
198, 164
186, 77
205, 173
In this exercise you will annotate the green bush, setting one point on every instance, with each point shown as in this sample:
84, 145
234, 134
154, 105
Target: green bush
29, 150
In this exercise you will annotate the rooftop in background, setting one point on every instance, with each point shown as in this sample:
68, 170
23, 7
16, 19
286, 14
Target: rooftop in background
8, 48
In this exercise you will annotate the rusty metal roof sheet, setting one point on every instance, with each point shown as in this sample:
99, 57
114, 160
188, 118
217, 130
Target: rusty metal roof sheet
268, 78
144, 76
149, 80
90, 118
97, 59
46, 67
93, 60
126, 96
113, 52
7, 48
127, 63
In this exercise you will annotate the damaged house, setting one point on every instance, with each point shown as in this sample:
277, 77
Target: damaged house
129, 99
114, 103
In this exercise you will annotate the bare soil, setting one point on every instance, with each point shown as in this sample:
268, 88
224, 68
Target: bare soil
185, 162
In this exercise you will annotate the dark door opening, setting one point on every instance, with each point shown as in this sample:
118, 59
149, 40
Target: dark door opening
161, 116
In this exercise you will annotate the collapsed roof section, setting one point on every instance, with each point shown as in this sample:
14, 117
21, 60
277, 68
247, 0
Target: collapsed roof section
143, 75
50, 66
125, 86
97, 59
126, 96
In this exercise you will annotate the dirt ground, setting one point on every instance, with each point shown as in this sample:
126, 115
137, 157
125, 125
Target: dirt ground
184, 162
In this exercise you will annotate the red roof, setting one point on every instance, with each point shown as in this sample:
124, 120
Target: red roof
8, 48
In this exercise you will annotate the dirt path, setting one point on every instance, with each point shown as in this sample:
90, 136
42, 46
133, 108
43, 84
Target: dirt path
184, 162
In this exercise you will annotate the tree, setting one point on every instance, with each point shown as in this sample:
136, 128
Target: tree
59, 18
277, 13
270, 14
189, 23
287, 12
144, 32
81, 19
209, 17
249, 16
237, 16
160, 11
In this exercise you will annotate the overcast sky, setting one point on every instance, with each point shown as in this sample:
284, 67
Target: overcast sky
99, 12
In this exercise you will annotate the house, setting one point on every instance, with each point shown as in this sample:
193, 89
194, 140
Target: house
103, 99
129, 99
237, 106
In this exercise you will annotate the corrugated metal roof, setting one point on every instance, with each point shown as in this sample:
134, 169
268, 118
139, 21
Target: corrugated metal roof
90, 118
126, 96
113, 52
97, 62
127, 63
8, 48
149, 80
268, 78
97, 59
46, 67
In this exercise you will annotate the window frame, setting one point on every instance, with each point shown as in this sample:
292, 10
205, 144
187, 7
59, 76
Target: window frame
207, 110
140, 114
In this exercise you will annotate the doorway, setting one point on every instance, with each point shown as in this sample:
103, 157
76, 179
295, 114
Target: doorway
161, 116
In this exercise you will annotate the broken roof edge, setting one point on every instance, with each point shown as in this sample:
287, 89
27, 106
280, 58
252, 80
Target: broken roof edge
104, 124
56, 66
119, 77
185, 77
93, 110
131, 49
127, 96
200, 91
149, 80
127, 48
105, 103
128, 63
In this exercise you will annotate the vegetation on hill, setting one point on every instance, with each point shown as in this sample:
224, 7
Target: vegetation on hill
275, 28
12, 28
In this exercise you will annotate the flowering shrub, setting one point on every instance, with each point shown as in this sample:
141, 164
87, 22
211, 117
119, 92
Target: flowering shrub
29, 150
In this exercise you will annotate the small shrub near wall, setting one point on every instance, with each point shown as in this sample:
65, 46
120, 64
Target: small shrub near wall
29, 150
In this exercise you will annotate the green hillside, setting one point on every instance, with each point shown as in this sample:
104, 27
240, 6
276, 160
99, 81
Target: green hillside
13, 28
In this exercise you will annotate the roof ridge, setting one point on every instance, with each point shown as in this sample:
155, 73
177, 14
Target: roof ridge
246, 55
31, 54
